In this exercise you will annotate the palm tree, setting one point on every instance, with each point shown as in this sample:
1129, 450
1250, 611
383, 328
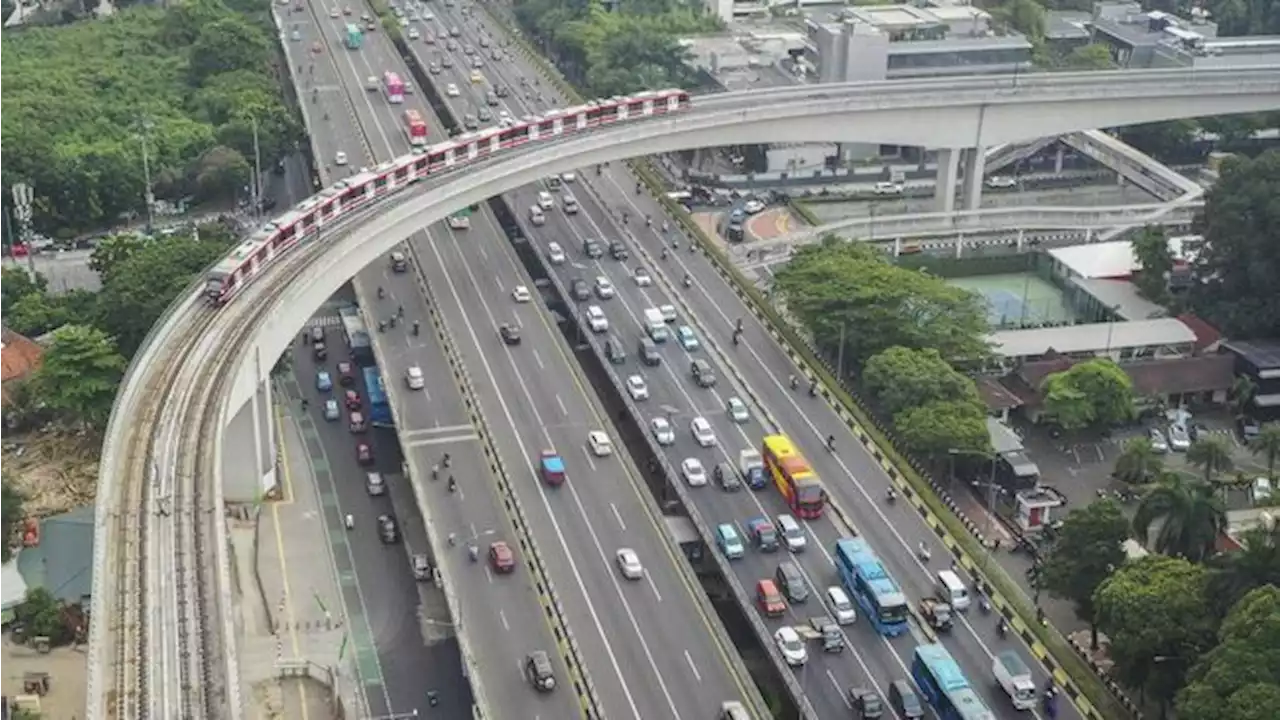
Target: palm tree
1256, 564
1186, 515
1138, 462
1241, 393
1212, 455
1267, 444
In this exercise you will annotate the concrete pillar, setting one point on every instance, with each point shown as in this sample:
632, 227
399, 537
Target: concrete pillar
948, 172
1058, 158
974, 171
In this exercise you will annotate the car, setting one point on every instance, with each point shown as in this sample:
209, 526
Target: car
446, 61
592, 249
629, 564
355, 422
663, 433
399, 263
763, 534
429, 38
753, 206
414, 379
414, 34
340, 158
866, 703
618, 251
769, 599
841, 609
346, 373
375, 484
571, 206
555, 253
1001, 182
569, 176
452, 90
580, 289
1179, 438
1261, 489
331, 410
702, 373
510, 334
637, 388
688, 340
596, 319
346, 10
319, 350
364, 452
501, 91
371, 84
642, 277
521, 294
904, 699
477, 77
702, 432
727, 477
668, 313
351, 399
599, 442
484, 114
729, 541
421, 567
295, 36
737, 410
693, 472
538, 671
545, 201
604, 288
434, 68
791, 646
501, 557
649, 354
792, 534
324, 383
888, 188
1158, 441
388, 530
334, 12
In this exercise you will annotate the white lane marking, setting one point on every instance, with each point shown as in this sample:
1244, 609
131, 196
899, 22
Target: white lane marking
692, 666
840, 693
617, 516
503, 617
538, 359
560, 403
590, 460
654, 587
487, 574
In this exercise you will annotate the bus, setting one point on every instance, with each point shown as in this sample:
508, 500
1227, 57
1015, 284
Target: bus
866, 579
415, 127
794, 477
379, 409
393, 86
357, 335
355, 38
945, 687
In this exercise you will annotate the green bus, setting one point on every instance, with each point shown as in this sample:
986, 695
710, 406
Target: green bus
355, 38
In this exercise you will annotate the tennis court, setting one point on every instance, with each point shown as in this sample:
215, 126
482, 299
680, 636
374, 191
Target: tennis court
1019, 300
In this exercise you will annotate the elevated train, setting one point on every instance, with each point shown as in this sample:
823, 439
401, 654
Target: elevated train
277, 237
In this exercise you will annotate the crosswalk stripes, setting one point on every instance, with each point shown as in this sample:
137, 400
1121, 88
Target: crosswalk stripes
324, 321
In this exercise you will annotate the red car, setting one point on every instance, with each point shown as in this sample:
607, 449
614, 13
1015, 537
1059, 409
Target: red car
346, 374
501, 559
364, 454
352, 400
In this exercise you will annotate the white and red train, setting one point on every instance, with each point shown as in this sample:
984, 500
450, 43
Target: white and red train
279, 236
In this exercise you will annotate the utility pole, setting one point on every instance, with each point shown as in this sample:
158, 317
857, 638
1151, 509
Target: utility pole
146, 173
257, 172
23, 194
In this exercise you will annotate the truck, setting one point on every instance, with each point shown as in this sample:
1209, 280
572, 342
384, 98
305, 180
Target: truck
655, 325
824, 630
1015, 677
936, 613
752, 468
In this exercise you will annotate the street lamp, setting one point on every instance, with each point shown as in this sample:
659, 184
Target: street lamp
991, 479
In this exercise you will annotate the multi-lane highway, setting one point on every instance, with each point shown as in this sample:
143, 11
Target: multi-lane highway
654, 647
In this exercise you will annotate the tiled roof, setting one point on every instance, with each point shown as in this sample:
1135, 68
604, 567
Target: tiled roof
1206, 335
996, 396
1182, 375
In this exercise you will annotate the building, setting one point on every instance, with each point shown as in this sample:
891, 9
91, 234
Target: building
19, 357
1096, 277
1259, 360
1140, 39
62, 560
1121, 341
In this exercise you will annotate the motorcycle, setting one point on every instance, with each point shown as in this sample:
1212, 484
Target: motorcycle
350, 521
473, 551
923, 552
415, 329
891, 496
688, 281
1002, 628
795, 382
985, 606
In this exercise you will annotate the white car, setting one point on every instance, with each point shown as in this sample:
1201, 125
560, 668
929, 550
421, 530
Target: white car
841, 609
889, 188
545, 201
555, 253
738, 411
569, 177
1179, 439
414, 34
663, 433
637, 388
413, 378
642, 277
668, 313
629, 564
702, 431
521, 294
334, 12
604, 288
693, 472
596, 319
1001, 182
339, 158
1158, 441
753, 206
791, 646
451, 90
599, 443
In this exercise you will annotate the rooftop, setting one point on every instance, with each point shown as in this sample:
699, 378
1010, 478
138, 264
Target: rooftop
19, 356
752, 57
1003, 438
1067, 25
63, 561
1264, 354
1115, 259
1092, 337
1123, 297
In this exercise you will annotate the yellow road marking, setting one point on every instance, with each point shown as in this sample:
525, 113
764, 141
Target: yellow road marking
284, 565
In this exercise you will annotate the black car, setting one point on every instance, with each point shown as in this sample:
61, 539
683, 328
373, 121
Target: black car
904, 699
501, 91
510, 334
649, 352
388, 530
619, 251
727, 477
537, 668
581, 290
702, 373
591, 248
319, 350
1248, 427
866, 703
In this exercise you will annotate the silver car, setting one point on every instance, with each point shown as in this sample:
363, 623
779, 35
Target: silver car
1158, 441
629, 564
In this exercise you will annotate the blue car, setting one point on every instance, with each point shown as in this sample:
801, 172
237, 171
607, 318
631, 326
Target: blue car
729, 541
324, 383
688, 340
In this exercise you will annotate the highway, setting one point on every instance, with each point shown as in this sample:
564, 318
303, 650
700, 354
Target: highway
503, 626
654, 647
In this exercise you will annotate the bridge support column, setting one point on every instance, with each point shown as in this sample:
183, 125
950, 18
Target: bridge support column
1058, 159
249, 453
974, 170
948, 172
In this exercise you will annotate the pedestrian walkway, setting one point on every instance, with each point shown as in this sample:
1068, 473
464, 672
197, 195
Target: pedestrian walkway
772, 223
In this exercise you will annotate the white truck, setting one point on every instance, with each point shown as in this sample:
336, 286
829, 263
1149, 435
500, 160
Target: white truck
752, 468
655, 325
1015, 677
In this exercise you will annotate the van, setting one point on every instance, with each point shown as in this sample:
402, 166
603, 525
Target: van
951, 590
655, 326
792, 533
792, 582
733, 711
614, 351
729, 541
649, 352
374, 484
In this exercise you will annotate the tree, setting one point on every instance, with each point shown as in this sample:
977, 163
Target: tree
227, 45
1240, 678
221, 172
1138, 462
1167, 141
41, 614
11, 513
1088, 548
1091, 393
1241, 394
1094, 56
1240, 258
80, 374
1151, 248
1267, 444
935, 429
16, 284
1211, 455
902, 378
111, 251
1186, 515
1155, 612
1255, 564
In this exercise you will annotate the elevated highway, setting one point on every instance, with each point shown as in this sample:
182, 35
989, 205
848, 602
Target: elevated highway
898, 112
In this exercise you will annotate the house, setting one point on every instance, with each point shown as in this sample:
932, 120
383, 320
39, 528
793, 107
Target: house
19, 357
1259, 360
62, 561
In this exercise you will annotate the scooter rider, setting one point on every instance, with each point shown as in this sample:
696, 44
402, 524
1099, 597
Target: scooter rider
688, 281
453, 484
794, 382
351, 521
415, 328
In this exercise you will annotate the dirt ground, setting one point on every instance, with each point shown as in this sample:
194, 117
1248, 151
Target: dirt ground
55, 471
68, 674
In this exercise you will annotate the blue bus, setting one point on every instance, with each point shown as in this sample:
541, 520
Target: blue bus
379, 410
869, 583
945, 686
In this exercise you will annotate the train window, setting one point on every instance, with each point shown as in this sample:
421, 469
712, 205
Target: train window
420, 165
546, 127
326, 211
402, 173
509, 136
380, 183
352, 194
308, 220
287, 233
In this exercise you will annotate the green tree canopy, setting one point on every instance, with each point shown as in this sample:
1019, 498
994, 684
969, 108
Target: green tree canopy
902, 378
1255, 564
1267, 446
11, 513
1093, 393
111, 251
1212, 455
845, 289
1159, 621
1240, 678
935, 429
1138, 462
1186, 516
41, 614
16, 283
80, 373
1151, 248
1088, 548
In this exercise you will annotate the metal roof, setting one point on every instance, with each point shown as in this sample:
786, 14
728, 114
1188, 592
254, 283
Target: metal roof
63, 561
1093, 337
